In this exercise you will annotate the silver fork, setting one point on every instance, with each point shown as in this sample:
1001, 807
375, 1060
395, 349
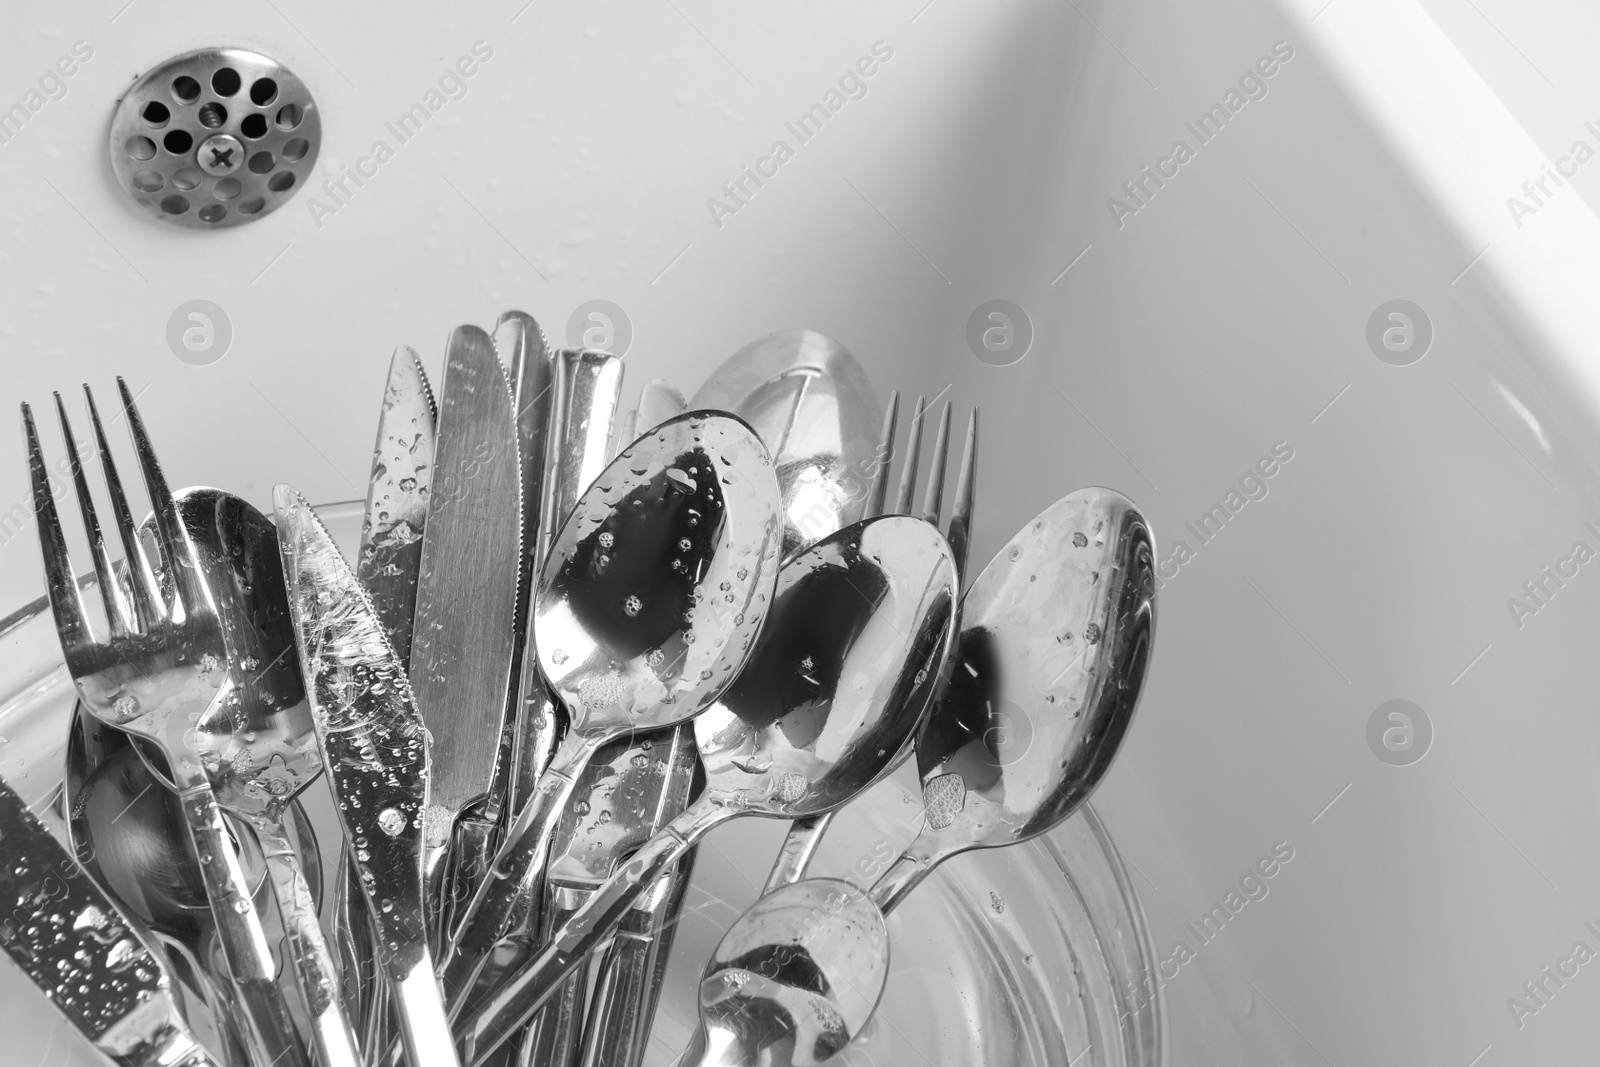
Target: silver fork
806, 834
161, 673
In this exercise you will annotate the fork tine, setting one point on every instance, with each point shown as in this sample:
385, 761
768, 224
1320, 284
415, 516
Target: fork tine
878, 491
183, 565
105, 574
148, 605
936, 468
66, 604
960, 532
908, 473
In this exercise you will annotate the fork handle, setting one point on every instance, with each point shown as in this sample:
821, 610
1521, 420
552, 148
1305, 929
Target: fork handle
272, 1037
308, 948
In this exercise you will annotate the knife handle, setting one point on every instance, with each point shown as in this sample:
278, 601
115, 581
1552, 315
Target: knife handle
622, 1010
273, 1040
484, 1029
313, 962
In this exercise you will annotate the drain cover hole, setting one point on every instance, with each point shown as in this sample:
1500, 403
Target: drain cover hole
140, 147
295, 149
185, 89
213, 213
251, 206
225, 82
254, 126
178, 142
263, 91
280, 181
227, 188
213, 115
289, 116
175, 204
156, 113
148, 181
186, 178
261, 163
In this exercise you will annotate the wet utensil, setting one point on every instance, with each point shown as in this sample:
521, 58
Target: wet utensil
1055, 642
614, 808
273, 753
647, 606
805, 835
461, 649
814, 719
378, 757
811, 402
628, 972
82, 952
127, 831
161, 672
1056, 636
793, 980
387, 562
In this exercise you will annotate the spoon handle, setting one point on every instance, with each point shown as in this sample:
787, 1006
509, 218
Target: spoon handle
799, 846
904, 875
313, 962
481, 1031
244, 942
502, 908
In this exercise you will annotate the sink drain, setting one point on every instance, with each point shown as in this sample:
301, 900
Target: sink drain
215, 138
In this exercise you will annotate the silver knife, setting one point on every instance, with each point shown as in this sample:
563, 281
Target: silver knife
615, 806
461, 646
532, 731
387, 563
83, 953
377, 751
397, 499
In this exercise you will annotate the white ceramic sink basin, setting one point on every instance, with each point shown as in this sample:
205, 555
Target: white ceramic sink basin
1213, 318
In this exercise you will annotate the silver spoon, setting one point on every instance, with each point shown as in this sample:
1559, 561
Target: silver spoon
649, 601
1055, 643
794, 980
853, 653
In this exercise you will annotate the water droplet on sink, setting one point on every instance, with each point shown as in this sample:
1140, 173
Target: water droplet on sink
391, 822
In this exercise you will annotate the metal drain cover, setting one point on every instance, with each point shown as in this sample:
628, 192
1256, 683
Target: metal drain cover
215, 138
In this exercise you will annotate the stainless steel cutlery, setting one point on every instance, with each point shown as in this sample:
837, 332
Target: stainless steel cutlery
570, 646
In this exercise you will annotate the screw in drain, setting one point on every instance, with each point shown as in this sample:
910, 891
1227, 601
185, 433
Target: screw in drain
215, 138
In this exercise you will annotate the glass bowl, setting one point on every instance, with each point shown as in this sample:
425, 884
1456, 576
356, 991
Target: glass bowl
1036, 955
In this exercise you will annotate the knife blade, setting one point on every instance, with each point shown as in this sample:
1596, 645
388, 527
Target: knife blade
461, 647
377, 749
397, 499
76, 945
387, 564
532, 733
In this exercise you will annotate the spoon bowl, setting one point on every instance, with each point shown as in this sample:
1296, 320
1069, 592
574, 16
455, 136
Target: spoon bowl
793, 982
1055, 641
810, 400
659, 581
856, 648
648, 605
